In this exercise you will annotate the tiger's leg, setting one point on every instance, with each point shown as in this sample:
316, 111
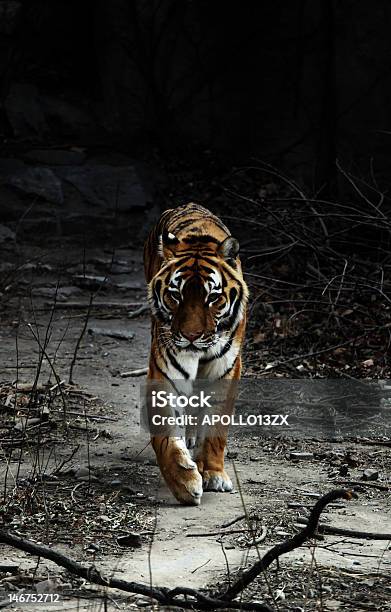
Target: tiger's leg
210, 456
178, 469
176, 465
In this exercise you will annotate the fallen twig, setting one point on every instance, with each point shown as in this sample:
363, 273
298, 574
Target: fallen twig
65, 461
186, 597
199, 567
351, 533
280, 549
192, 599
235, 520
131, 373
365, 483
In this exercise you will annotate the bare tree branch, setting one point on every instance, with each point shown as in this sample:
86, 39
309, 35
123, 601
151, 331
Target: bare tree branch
185, 597
287, 546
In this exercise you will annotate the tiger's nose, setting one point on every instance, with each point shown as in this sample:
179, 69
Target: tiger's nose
191, 336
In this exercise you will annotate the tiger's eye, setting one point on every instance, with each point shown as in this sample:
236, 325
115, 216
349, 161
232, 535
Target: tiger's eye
174, 293
213, 297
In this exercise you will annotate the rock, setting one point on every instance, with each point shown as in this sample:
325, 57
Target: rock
279, 594
343, 470
352, 460
370, 474
24, 111
26, 423
72, 120
116, 483
112, 333
82, 471
143, 601
112, 187
130, 539
47, 586
61, 294
9, 568
89, 281
55, 157
6, 234
129, 286
89, 478
38, 181
36, 266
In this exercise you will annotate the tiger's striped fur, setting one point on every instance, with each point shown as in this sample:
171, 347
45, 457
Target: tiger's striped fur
198, 300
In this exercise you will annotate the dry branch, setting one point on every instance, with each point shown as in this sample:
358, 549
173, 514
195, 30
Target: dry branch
133, 373
184, 597
163, 595
287, 546
351, 533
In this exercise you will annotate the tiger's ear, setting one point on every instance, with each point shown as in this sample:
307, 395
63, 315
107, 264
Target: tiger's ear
229, 248
167, 242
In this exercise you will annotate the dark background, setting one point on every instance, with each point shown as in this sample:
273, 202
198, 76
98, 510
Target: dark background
275, 115
295, 83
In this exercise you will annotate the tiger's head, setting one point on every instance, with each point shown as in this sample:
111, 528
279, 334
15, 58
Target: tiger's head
199, 293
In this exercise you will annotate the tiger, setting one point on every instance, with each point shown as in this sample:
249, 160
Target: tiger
198, 300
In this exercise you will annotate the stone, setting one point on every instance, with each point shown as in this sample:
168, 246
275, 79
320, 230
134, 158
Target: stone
112, 333
48, 586
38, 181
112, 187
116, 483
26, 423
129, 286
130, 539
72, 120
89, 478
90, 281
82, 471
6, 234
370, 474
61, 294
55, 157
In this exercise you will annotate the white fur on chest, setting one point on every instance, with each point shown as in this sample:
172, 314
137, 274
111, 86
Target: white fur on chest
216, 368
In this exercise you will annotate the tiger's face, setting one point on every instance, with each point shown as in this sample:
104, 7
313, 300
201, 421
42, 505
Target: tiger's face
199, 295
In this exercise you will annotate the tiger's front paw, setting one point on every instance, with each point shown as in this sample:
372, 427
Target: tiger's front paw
184, 479
217, 481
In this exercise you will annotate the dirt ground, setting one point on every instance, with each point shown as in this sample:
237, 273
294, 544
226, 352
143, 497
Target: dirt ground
81, 477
